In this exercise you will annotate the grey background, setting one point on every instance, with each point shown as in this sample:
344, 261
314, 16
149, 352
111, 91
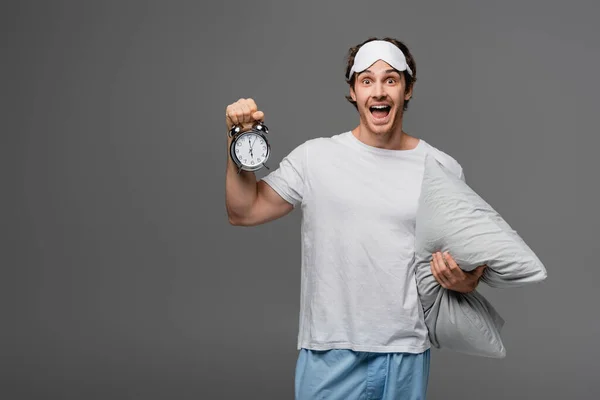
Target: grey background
121, 277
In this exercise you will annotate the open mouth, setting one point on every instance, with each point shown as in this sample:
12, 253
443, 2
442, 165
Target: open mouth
380, 111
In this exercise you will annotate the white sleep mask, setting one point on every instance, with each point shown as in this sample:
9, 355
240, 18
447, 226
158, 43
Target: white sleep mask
371, 52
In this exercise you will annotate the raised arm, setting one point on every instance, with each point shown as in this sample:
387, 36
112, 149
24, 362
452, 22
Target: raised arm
249, 202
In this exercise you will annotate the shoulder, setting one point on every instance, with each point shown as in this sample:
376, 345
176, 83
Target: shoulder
320, 144
303, 150
445, 159
327, 141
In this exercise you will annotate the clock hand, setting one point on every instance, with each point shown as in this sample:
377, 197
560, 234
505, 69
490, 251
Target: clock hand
250, 143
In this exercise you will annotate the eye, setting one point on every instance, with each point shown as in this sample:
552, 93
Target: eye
366, 81
391, 81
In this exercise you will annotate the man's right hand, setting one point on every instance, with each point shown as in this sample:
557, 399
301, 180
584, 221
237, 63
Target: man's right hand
243, 112
249, 202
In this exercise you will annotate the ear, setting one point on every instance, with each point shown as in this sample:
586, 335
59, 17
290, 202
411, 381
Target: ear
352, 93
408, 93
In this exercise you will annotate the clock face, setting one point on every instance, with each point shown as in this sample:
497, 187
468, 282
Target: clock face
251, 149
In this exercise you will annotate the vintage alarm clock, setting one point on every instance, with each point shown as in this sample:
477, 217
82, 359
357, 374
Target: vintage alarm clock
250, 149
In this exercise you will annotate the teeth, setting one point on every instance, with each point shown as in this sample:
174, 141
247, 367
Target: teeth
380, 107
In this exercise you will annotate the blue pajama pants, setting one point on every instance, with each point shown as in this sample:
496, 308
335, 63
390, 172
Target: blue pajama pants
349, 375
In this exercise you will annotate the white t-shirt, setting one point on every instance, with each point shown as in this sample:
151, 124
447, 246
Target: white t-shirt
359, 203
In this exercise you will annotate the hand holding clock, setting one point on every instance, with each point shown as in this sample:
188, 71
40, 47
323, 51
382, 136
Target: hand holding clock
243, 112
245, 126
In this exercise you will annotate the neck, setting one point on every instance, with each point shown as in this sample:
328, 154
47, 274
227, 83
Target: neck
394, 139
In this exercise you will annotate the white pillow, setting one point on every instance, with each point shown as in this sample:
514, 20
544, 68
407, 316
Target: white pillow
452, 217
465, 322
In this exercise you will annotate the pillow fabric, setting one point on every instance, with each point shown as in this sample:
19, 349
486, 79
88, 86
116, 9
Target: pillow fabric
453, 217
463, 322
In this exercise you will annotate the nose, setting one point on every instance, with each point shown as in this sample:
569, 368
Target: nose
378, 91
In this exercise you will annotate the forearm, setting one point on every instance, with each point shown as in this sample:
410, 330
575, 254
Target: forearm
240, 190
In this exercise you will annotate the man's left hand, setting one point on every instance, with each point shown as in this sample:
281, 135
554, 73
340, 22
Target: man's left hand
448, 274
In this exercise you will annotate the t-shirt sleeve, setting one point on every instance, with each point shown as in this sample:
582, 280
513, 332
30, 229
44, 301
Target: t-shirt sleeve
288, 180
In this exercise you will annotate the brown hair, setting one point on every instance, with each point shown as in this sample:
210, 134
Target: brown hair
410, 80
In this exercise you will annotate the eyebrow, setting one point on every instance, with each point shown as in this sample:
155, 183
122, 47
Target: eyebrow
387, 71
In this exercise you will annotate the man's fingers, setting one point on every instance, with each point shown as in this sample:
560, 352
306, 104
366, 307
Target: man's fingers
480, 270
435, 273
258, 116
252, 109
435, 270
438, 268
252, 104
456, 273
452, 265
246, 112
248, 107
442, 266
450, 276
232, 114
239, 115
243, 112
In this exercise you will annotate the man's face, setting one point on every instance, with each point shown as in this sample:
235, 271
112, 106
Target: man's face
379, 92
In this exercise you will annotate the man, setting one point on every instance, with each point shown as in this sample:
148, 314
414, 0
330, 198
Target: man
362, 333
